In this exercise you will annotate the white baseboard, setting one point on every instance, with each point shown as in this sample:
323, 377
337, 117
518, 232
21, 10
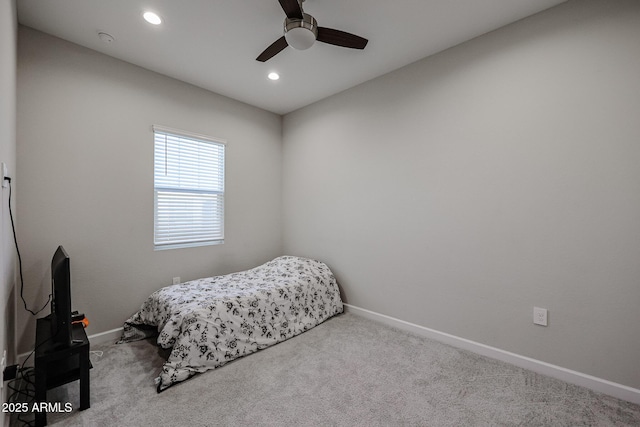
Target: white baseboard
106, 337
95, 339
600, 385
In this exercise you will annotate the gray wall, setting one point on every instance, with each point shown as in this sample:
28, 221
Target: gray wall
8, 33
85, 175
455, 193
463, 190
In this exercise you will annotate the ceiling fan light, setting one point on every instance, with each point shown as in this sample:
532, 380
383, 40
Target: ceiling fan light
301, 33
300, 38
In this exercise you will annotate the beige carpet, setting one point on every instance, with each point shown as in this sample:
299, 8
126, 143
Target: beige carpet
348, 371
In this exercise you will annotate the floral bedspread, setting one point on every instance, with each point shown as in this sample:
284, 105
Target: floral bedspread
209, 322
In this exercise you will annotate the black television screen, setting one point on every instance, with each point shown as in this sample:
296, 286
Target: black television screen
61, 299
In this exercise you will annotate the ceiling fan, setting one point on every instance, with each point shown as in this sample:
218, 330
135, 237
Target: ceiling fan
301, 31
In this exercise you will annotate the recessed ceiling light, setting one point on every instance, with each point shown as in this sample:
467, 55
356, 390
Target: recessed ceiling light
273, 76
152, 18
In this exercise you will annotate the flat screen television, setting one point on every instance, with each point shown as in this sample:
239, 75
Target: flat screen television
61, 332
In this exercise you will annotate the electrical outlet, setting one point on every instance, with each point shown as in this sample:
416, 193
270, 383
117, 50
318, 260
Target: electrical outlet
176, 280
540, 316
5, 173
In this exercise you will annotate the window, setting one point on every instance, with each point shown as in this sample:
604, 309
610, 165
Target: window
189, 189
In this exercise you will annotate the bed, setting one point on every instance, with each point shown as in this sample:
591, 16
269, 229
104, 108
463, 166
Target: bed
209, 322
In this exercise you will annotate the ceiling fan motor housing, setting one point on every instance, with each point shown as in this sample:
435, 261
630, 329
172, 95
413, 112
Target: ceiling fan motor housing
301, 33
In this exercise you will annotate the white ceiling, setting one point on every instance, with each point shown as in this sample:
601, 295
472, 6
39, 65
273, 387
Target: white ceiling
213, 43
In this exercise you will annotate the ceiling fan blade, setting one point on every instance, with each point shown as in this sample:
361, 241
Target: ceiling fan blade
341, 38
291, 8
275, 48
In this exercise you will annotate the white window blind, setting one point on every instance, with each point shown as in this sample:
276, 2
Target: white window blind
189, 189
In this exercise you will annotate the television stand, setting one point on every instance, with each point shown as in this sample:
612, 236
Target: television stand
55, 366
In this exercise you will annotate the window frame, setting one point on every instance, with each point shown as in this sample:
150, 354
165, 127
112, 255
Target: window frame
219, 193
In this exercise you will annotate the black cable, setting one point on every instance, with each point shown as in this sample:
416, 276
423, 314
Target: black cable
23, 393
15, 239
26, 376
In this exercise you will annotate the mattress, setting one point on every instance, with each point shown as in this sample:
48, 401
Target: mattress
209, 322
